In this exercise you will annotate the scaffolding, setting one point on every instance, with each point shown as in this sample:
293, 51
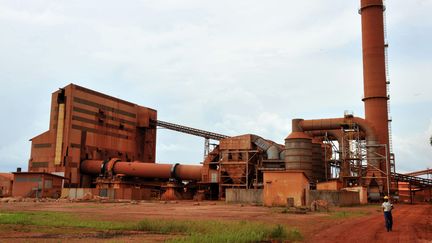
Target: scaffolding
356, 163
237, 169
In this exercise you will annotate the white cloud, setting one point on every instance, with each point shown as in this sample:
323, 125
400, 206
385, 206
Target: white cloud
231, 67
414, 151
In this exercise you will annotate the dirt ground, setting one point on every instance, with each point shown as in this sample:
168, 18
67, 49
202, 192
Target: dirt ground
412, 223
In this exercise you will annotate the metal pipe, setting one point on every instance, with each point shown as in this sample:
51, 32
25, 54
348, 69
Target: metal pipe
332, 134
336, 123
189, 172
146, 170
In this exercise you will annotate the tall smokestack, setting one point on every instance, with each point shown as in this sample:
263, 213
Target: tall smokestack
374, 70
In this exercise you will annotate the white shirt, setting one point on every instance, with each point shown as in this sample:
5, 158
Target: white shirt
387, 206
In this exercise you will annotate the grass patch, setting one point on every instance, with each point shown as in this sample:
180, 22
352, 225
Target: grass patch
347, 214
219, 231
43, 229
56, 219
237, 231
186, 230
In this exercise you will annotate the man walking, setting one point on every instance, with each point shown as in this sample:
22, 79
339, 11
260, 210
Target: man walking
387, 208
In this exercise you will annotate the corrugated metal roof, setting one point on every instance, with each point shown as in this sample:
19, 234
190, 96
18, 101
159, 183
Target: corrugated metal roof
8, 176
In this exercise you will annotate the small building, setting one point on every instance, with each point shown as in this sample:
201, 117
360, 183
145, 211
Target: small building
6, 182
282, 188
37, 185
331, 185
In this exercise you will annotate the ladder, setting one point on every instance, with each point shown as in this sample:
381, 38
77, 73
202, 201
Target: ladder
391, 159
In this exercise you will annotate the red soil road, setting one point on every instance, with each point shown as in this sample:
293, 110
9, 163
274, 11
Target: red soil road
411, 223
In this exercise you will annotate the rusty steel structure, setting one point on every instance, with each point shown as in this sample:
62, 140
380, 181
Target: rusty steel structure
88, 125
375, 76
374, 68
375, 127
107, 144
98, 141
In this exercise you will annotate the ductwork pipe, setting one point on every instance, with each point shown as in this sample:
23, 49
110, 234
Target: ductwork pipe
141, 169
331, 134
337, 123
273, 152
300, 125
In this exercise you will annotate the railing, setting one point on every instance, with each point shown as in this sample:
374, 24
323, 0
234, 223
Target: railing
414, 180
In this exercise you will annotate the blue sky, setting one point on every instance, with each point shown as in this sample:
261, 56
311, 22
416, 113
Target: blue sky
231, 67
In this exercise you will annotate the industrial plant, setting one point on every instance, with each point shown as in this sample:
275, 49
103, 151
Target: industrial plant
103, 146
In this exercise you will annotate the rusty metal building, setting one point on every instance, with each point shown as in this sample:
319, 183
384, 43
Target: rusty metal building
6, 183
37, 185
88, 125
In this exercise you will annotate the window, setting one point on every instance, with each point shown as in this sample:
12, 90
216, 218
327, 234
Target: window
48, 184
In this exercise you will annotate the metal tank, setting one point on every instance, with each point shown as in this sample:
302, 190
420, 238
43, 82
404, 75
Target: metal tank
317, 160
273, 152
298, 150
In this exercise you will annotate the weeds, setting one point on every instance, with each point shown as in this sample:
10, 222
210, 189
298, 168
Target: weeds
347, 214
55, 219
186, 230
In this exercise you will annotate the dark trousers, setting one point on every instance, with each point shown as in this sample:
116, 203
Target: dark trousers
388, 220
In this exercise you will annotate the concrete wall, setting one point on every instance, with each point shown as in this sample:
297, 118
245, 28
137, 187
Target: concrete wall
121, 193
335, 198
362, 191
281, 185
79, 193
244, 196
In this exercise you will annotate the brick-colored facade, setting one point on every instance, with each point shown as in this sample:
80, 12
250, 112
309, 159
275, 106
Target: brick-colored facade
332, 185
37, 184
85, 124
6, 182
